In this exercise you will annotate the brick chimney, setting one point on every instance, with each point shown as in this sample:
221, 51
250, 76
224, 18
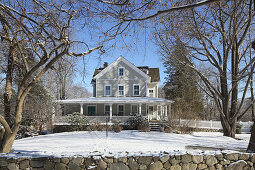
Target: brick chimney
105, 64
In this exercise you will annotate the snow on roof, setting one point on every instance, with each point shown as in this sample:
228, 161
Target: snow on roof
117, 100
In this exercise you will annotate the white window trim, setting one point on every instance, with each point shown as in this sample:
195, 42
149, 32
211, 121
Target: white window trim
123, 89
134, 89
123, 109
88, 108
152, 93
105, 89
119, 71
137, 110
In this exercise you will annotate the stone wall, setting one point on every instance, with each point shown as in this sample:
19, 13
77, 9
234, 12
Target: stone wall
231, 161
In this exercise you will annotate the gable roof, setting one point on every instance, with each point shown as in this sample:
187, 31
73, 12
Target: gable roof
152, 72
104, 70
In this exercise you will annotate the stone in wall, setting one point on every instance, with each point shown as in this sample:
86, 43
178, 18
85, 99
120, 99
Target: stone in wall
145, 160
197, 158
237, 165
164, 158
118, 166
156, 166
211, 160
186, 158
232, 156
133, 165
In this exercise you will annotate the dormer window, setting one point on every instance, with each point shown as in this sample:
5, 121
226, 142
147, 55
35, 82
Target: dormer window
151, 93
121, 71
136, 89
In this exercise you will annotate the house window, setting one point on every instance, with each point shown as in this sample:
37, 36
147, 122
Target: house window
120, 110
121, 90
150, 108
107, 109
134, 108
107, 90
151, 93
136, 89
121, 71
91, 110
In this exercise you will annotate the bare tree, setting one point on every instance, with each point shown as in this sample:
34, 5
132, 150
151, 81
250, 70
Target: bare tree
64, 70
217, 35
42, 28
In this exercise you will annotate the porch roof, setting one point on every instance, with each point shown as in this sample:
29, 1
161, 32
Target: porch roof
108, 100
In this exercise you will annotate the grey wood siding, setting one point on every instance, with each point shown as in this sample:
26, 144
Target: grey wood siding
129, 78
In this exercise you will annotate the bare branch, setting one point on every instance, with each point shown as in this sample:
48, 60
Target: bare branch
84, 53
119, 3
204, 2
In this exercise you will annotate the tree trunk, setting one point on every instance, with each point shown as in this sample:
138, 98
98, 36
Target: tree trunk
9, 137
8, 86
7, 143
228, 129
7, 108
252, 97
230, 132
63, 97
251, 146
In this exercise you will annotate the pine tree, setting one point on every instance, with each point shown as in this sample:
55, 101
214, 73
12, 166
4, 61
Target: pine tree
181, 83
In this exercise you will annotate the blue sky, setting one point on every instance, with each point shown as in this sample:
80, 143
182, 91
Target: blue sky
147, 56
136, 46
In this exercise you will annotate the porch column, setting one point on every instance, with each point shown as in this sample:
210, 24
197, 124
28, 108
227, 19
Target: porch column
161, 111
140, 109
166, 111
146, 110
110, 112
81, 109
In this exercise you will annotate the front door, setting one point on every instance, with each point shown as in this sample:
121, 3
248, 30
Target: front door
91, 110
151, 112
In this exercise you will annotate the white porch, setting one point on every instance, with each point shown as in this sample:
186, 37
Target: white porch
115, 108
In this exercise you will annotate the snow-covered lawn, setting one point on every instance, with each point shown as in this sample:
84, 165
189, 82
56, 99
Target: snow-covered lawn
125, 142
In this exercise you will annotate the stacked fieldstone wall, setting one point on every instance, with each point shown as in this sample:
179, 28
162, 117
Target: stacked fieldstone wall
231, 161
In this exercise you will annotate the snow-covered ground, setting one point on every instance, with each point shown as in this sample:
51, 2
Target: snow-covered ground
124, 143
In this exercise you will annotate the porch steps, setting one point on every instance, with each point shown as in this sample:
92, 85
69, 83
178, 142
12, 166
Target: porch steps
155, 126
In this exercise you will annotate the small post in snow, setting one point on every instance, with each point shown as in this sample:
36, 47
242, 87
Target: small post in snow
106, 127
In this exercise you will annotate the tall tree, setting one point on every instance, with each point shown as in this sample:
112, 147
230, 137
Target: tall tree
181, 83
41, 27
217, 35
